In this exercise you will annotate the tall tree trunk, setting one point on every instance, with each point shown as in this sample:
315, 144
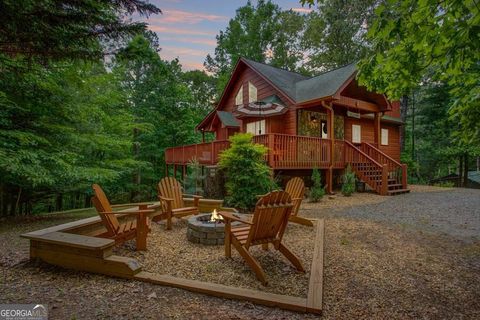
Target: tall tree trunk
136, 175
465, 171
460, 171
413, 126
403, 116
59, 202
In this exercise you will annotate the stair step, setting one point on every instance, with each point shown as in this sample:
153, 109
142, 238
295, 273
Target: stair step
398, 191
394, 185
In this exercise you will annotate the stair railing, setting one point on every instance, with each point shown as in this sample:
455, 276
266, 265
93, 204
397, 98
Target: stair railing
367, 168
396, 170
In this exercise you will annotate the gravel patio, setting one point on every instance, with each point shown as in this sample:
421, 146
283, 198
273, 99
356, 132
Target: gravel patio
411, 256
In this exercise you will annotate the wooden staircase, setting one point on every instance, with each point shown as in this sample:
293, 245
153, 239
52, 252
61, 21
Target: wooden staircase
379, 171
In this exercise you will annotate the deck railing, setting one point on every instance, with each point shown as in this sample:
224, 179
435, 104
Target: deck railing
284, 152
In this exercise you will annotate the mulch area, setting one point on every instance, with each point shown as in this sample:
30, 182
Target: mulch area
169, 252
403, 257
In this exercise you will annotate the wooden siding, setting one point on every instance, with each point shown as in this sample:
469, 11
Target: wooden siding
367, 135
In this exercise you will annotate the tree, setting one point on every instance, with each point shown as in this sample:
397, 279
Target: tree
67, 29
335, 33
163, 107
247, 174
429, 40
262, 33
316, 191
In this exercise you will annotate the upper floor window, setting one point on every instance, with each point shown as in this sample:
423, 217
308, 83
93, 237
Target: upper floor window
239, 97
252, 93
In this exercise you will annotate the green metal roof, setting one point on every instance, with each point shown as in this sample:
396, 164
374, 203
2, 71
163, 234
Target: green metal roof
228, 119
474, 176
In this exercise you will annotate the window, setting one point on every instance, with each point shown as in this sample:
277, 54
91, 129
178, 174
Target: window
356, 133
239, 97
252, 93
256, 127
384, 137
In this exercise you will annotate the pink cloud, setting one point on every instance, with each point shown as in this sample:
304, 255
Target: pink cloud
204, 41
170, 16
171, 52
302, 10
171, 30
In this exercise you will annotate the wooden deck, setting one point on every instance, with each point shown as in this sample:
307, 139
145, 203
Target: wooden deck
284, 152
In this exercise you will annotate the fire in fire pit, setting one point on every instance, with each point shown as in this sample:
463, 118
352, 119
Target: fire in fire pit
207, 228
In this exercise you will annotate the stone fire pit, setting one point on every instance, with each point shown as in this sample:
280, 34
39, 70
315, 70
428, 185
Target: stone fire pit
202, 230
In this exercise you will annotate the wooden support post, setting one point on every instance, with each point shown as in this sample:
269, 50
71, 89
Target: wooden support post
271, 146
376, 129
404, 176
384, 190
166, 170
329, 180
141, 238
184, 172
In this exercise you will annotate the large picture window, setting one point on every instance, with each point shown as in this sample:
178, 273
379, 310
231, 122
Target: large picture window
256, 127
310, 123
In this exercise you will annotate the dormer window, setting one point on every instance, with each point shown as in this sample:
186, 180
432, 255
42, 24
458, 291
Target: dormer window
252, 93
239, 97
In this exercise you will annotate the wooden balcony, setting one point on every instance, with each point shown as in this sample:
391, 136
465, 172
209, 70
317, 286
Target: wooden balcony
284, 152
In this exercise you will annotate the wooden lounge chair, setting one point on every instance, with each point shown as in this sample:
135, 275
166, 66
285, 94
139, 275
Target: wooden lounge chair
267, 226
296, 188
121, 232
171, 200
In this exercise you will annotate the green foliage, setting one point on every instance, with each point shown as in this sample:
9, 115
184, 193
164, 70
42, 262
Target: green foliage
348, 182
262, 33
445, 184
66, 29
247, 174
424, 41
316, 191
335, 33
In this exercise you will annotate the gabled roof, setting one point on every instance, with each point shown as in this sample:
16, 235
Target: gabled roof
282, 79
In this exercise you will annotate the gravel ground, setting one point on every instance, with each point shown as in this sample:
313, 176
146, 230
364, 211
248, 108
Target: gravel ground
169, 252
406, 257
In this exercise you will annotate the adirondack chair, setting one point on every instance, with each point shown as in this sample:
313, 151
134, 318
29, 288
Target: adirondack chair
121, 232
296, 188
267, 226
171, 200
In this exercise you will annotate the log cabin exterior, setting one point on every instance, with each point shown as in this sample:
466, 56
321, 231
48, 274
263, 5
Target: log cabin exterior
327, 122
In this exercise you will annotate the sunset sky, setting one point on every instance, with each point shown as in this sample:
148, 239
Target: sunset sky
187, 28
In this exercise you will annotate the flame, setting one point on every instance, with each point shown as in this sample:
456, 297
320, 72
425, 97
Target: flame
215, 216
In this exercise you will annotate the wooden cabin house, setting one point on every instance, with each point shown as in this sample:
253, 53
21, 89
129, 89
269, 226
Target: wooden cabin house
327, 122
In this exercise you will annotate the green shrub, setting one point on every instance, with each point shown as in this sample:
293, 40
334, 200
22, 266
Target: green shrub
348, 179
445, 184
316, 191
246, 173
